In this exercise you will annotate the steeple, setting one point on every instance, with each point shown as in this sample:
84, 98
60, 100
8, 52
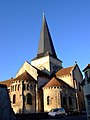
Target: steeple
46, 59
45, 42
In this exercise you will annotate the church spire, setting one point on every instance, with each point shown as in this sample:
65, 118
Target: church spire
45, 42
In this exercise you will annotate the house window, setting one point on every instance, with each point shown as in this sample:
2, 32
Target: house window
70, 100
14, 99
48, 100
29, 98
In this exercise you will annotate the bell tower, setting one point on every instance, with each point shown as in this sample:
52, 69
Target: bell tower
46, 59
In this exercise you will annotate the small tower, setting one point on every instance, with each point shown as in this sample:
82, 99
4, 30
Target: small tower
46, 59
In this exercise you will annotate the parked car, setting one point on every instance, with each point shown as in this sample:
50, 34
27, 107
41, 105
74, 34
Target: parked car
57, 112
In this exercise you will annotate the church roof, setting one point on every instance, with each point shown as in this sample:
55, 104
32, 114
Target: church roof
64, 71
24, 76
45, 42
87, 67
7, 82
55, 82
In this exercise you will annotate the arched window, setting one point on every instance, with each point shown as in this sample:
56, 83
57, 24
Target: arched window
29, 98
48, 100
18, 87
14, 99
64, 100
27, 86
70, 100
23, 86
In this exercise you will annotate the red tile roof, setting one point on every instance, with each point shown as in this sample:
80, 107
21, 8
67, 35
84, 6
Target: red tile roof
55, 82
64, 71
7, 82
24, 76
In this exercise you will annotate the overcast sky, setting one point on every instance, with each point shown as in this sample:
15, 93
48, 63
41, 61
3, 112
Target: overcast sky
20, 26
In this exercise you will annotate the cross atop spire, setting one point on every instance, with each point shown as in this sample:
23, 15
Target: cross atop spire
45, 42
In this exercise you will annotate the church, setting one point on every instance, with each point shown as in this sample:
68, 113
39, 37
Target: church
44, 83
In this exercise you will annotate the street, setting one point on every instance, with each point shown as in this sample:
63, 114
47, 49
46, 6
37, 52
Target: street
81, 117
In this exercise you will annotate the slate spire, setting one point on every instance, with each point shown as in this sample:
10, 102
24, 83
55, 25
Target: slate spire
45, 42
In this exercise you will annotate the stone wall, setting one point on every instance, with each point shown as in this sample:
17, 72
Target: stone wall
56, 95
28, 67
19, 103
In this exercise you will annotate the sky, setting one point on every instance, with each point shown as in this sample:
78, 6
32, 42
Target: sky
20, 26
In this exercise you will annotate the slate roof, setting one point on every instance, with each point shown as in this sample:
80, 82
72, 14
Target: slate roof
64, 71
45, 42
87, 67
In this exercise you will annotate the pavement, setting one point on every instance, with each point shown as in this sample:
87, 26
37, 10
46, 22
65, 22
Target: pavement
80, 117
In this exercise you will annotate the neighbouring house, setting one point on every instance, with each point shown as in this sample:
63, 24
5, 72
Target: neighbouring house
44, 83
86, 88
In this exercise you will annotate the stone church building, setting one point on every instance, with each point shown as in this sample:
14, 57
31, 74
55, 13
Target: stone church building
44, 83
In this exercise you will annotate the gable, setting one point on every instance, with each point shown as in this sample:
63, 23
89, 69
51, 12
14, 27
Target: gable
64, 71
87, 67
24, 76
29, 68
55, 82
77, 73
